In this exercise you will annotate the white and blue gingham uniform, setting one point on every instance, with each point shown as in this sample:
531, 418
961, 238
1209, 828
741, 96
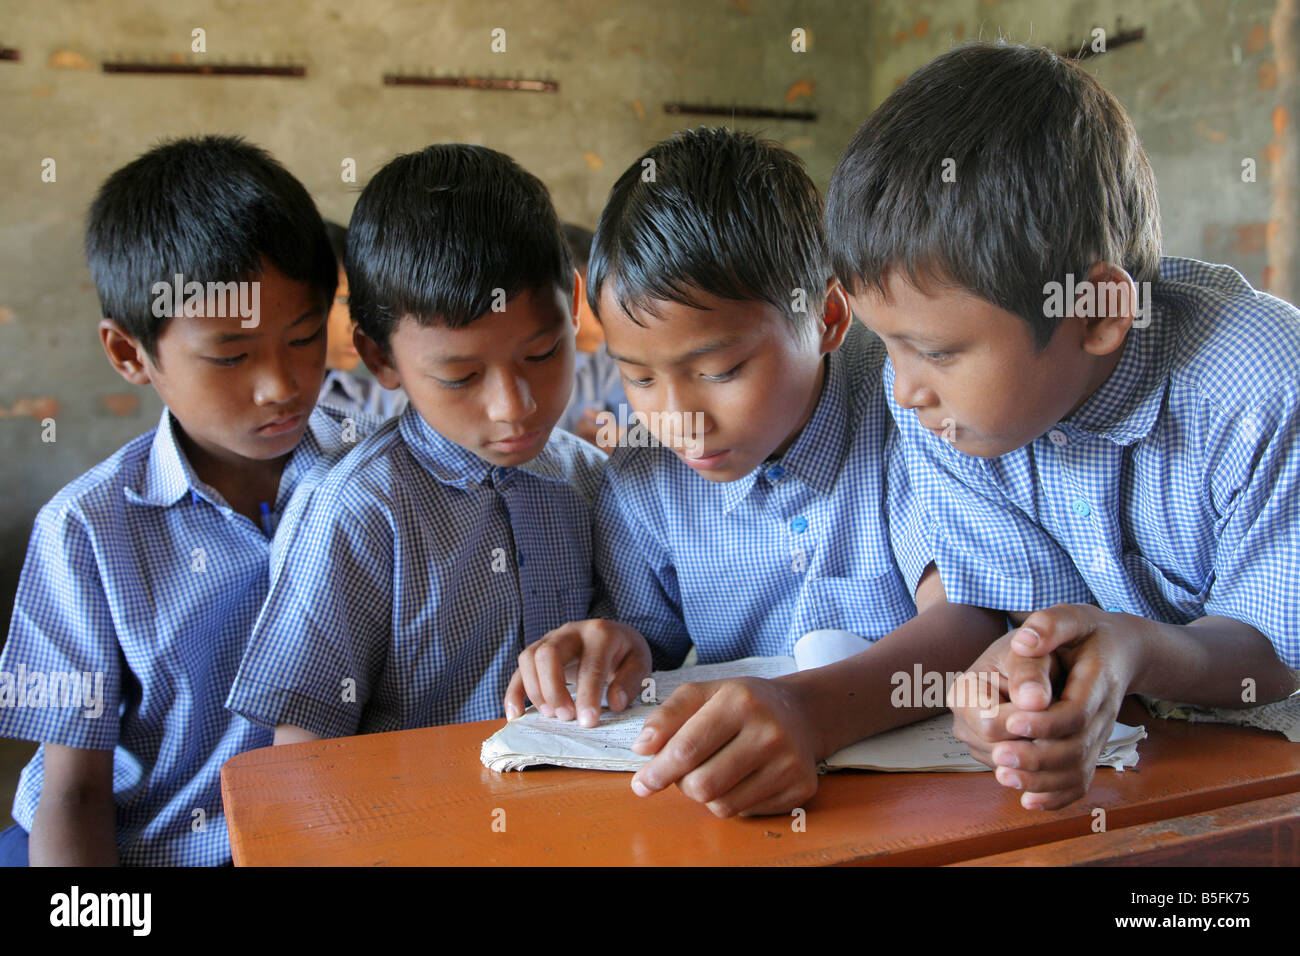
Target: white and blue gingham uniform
1174, 490
745, 568
416, 572
357, 394
597, 383
139, 572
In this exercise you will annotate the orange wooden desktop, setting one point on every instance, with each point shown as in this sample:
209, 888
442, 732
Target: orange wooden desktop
421, 797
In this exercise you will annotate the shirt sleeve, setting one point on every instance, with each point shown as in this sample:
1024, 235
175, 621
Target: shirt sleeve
1254, 481
989, 552
320, 643
62, 662
636, 577
910, 525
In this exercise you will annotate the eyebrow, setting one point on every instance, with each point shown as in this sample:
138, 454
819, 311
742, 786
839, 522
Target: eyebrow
915, 340
226, 337
715, 345
457, 359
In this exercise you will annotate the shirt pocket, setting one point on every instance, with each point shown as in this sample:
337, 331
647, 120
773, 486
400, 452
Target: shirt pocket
1173, 598
868, 605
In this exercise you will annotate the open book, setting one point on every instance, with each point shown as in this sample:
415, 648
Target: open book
929, 745
1282, 716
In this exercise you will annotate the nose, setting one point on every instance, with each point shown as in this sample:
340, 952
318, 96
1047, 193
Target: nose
277, 382
910, 391
510, 399
682, 421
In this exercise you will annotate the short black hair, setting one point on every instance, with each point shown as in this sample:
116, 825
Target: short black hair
579, 240
209, 208
436, 233
713, 210
995, 168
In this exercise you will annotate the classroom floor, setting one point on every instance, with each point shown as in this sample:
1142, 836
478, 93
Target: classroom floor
14, 755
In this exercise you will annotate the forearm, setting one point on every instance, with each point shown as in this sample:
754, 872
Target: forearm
1214, 661
855, 698
289, 734
74, 827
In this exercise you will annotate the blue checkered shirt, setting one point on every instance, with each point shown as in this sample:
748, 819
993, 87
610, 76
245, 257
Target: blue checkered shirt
412, 579
357, 394
597, 383
1173, 492
745, 568
143, 578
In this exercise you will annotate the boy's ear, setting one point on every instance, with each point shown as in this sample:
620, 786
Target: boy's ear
376, 359
1113, 310
579, 296
837, 316
124, 351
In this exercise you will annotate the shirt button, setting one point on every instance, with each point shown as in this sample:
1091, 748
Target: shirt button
1082, 508
775, 473
1115, 610
799, 524
1058, 438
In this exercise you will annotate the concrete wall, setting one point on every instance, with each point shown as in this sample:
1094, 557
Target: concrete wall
1204, 90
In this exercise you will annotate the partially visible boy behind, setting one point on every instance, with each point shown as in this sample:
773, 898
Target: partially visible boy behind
1082, 417
461, 530
770, 506
144, 576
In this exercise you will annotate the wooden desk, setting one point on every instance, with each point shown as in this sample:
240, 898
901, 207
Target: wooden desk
1260, 833
421, 797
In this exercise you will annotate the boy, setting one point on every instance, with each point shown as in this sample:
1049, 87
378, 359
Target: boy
1102, 421
460, 531
143, 576
342, 390
597, 386
764, 514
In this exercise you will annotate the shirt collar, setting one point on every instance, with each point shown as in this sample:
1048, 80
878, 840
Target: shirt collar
1125, 408
320, 442
817, 455
168, 474
337, 380
455, 465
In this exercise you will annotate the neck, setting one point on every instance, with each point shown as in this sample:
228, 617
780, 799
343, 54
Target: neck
244, 482
1103, 370
815, 397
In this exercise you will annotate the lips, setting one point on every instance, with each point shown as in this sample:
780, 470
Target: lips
936, 429
707, 462
516, 443
281, 425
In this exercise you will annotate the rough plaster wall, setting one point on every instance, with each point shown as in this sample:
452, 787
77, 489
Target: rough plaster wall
616, 64
1201, 89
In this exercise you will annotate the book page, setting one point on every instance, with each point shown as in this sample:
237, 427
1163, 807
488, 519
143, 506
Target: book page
1282, 716
533, 739
930, 745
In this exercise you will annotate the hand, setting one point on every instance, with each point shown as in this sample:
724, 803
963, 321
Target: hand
1050, 752
1000, 684
743, 746
606, 654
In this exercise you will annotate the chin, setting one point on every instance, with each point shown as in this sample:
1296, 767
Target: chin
276, 445
983, 449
